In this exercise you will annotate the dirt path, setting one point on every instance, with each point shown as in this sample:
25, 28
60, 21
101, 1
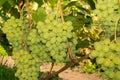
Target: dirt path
71, 74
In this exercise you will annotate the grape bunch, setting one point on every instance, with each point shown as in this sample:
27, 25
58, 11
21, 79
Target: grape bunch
107, 12
2, 51
107, 55
13, 29
27, 65
49, 39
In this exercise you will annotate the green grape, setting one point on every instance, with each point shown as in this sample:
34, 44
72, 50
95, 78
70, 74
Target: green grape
46, 35
116, 60
111, 55
117, 75
105, 49
106, 41
106, 63
2, 51
53, 40
100, 60
97, 46
118, 67
93, 54
111, 74
112, 46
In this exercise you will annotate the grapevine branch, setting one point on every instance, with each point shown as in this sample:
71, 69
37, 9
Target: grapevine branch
52, 65
71, 64
70, 53
66, 67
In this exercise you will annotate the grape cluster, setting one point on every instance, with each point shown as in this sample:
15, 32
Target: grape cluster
2, 51
13, 29
107, 55
49, 39
107, 12
27, 65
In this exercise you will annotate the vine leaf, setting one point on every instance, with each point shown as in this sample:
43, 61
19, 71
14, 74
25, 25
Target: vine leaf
39, 15
2, 2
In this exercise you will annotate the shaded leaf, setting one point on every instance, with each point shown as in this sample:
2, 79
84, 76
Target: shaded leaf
91, 3
6, 7
14, 12
12, 2
2, 2
40, 2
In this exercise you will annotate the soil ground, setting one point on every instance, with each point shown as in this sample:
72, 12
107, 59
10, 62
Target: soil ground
69, 74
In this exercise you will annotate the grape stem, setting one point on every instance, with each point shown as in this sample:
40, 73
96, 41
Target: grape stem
29, 15
116, 23
22, 38
60, 9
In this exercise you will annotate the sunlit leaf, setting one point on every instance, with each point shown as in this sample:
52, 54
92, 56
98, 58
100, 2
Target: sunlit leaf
39, 15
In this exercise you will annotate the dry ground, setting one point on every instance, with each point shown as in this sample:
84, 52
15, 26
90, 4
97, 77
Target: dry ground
71, 74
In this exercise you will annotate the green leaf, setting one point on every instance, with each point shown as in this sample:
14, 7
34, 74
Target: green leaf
12, 2
40, 2
6, 7
2, 2
82, 9
70, 4
91, 3
14, 12
39, 15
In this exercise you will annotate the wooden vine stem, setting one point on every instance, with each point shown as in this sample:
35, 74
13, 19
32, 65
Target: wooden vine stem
65, 67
